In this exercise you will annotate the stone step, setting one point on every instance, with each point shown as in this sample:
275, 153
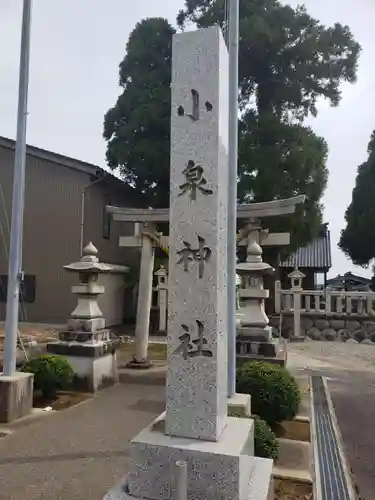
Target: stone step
261, 484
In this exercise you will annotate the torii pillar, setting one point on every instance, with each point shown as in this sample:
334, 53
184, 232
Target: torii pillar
148, 217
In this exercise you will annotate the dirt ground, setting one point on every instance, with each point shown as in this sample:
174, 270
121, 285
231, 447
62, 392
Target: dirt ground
31, 332
350, 371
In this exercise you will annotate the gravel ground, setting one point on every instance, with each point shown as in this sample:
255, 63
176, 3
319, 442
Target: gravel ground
338, 355
350, 369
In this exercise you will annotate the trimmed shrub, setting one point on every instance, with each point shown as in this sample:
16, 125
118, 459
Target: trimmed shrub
275, 395
51, 373
265, 442
359, 335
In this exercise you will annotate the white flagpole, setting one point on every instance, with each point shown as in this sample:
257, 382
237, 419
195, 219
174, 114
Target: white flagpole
15, 253
233, 39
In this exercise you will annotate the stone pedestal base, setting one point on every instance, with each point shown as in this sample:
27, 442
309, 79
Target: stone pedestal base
255, 334
16, 396
280, 359
257, 344
240, 405
95, 366
225, 469
260, 486
139, 365
247, 347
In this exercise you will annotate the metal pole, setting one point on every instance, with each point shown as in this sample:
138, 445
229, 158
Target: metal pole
82, 220
181, 480
11, 323
83, 194
25, 113
233, 37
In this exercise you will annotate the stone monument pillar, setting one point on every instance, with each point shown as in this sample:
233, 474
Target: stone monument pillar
86, 343
254, 335
195, 428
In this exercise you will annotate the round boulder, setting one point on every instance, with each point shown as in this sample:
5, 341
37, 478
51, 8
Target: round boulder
343, 334
306, 323
329, 334
337, 324
275, 332
274, 320
369, 326
314, 333
321, 324
288, 322
286, 332
359, 335
367, 342
352, 325
351, 341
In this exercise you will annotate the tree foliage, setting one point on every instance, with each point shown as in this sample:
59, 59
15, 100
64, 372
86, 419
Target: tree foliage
287, 60
292, 161
358, 238
137, 127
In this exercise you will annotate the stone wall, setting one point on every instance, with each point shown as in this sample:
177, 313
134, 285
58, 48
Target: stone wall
330, 328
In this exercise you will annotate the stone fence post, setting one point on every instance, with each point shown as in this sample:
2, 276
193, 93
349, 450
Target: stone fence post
296, 278
277, 296
369, 305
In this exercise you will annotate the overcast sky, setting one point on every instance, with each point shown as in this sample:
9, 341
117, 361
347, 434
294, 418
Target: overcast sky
78, 44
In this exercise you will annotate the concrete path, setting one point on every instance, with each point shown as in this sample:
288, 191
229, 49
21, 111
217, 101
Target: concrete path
350, 371
79, 453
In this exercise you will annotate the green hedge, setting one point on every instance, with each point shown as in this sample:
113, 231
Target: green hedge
275, 395
51, 373
265, 442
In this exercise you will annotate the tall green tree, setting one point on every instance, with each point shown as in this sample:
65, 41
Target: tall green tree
137, 128
292, 163
287, 61
358, 238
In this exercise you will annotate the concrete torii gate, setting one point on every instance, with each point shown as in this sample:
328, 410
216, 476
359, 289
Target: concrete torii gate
146, 237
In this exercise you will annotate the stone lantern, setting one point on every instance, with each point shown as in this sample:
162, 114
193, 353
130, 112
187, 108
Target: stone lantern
254, 334
86, 342
162, 287
296, 277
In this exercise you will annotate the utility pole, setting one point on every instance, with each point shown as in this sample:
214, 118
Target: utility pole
233, 39
15, 253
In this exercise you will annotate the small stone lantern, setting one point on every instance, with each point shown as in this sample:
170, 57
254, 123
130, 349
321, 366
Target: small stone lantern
162, 276
296, 277
86, 343
162, 287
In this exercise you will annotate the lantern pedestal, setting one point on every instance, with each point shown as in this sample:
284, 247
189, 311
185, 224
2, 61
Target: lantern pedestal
254, 335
